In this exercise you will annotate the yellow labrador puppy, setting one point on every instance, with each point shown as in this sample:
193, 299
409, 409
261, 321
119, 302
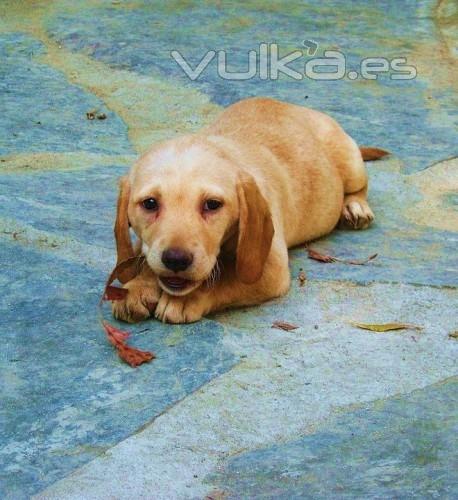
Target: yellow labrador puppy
215, 212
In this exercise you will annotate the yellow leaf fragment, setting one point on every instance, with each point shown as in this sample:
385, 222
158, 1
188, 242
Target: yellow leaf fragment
453, 335
386, 327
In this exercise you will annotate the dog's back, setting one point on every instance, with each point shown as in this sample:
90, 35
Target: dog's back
298, 156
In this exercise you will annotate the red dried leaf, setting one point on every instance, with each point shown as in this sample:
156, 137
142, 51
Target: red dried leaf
115, 335
132, 356
284, 325
217, 495
114, 293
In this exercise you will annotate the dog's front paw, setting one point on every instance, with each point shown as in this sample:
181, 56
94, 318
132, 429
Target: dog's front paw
140, 301
187, 309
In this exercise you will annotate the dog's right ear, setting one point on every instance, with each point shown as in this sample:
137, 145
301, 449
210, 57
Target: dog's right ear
124, 247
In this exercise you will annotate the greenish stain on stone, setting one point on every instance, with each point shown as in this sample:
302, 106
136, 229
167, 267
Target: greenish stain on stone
451, 200
175, 337
24, 163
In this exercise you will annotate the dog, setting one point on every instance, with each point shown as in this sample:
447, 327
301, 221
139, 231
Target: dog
215, 212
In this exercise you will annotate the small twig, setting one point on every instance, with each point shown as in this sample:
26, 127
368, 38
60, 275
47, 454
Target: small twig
313, 254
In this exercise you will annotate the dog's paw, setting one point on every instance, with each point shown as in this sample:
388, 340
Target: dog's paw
187, 309
140, 301
356, 214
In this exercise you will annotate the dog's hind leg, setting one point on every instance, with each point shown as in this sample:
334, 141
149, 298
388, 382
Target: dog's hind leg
356, 212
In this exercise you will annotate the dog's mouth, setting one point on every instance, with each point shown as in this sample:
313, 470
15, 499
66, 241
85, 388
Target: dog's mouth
175, 283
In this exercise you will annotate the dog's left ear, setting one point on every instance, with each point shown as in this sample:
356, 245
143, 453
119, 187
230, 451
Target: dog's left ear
256, 230
124, 246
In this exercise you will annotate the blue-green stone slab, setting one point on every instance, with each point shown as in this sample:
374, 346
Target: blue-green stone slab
79, 205
415, 119
402, 447
42, 112
65, 395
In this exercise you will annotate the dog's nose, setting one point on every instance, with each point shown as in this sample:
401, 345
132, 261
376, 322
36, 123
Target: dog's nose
176, 259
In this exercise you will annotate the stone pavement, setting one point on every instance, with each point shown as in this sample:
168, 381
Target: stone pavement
230, 407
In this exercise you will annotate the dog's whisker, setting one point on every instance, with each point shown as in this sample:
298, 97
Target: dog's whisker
214, 275
210, 279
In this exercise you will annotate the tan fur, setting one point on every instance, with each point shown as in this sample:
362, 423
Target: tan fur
285, 174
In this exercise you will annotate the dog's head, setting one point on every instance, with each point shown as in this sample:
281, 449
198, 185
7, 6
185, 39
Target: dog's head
185, 203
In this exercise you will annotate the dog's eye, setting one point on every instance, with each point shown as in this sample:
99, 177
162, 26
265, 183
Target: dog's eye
211, 205
150, 204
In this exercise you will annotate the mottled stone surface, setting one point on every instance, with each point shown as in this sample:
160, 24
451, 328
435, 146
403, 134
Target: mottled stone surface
46, 113
66, 396
413, 118
229, 404
73, 209
403, 447
285, 387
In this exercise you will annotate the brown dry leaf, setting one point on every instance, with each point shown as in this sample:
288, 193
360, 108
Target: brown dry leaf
372, 154
386, 327
453, 335
130, 263
313, 254
115, 293
284, 325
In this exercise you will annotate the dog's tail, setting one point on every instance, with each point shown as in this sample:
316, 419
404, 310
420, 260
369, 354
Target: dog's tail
372, 154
